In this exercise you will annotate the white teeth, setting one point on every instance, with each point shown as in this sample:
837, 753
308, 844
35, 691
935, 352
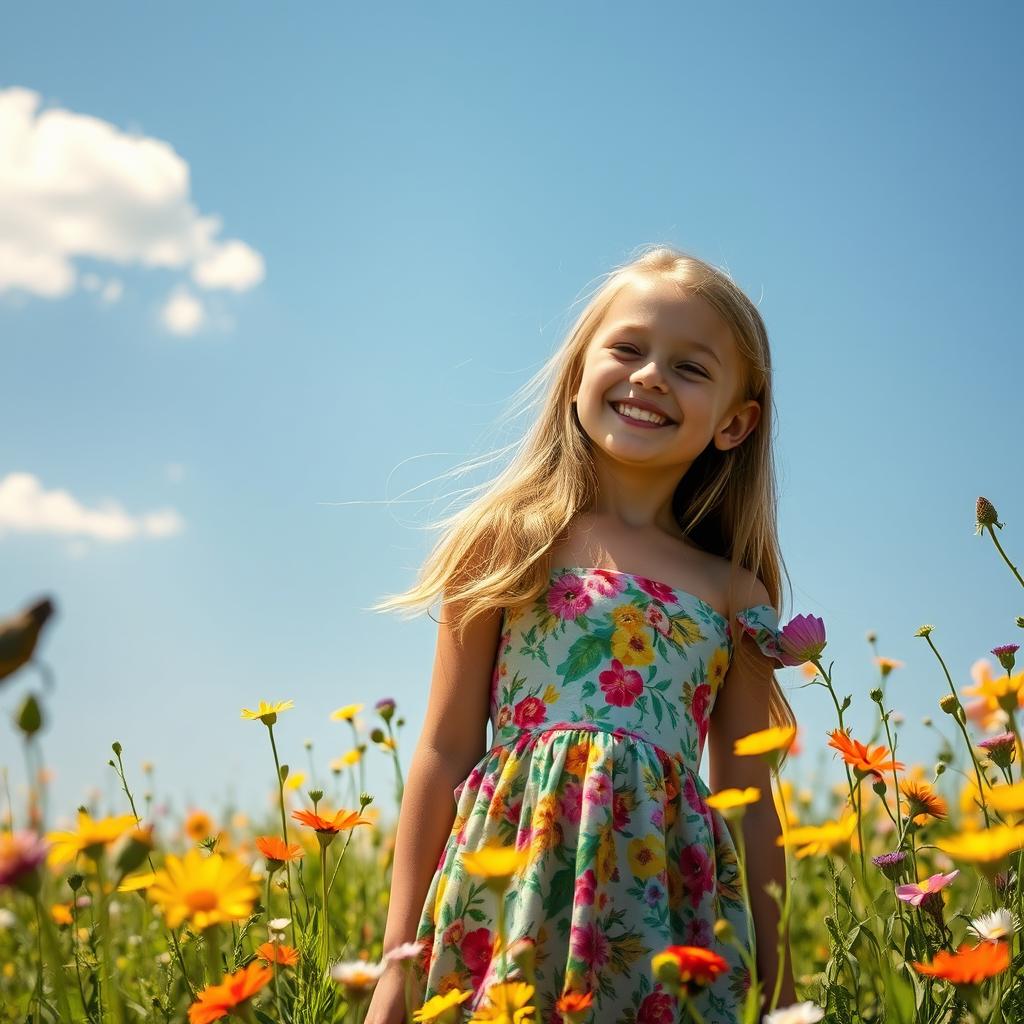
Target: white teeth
634, 412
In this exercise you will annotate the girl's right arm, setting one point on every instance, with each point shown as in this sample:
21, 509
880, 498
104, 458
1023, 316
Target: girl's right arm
452, 741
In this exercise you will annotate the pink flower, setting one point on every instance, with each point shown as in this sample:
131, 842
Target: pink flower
802, 639
598, 789
586, 887
476, 951
699, 706
621, 685
589, 944
530, 711
604, 583
655, 616
660, 591
568, 598
20, 854
572, 802
915, 892
697, 870
657, 1008
693, 796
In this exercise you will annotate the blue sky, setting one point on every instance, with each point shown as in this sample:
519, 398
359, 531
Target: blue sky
317, 255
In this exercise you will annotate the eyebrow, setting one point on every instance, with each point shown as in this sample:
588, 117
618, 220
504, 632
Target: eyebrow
643, 329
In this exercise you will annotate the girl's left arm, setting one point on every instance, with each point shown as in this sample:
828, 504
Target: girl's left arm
741, 707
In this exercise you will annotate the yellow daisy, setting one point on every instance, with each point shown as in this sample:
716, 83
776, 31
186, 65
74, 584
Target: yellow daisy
813, 840
267, 713
90, 838
133, 883
766, 741
436, 1008
204, 890
495, 864
984, 846
629, 618
730, 799
347, 713
646, 855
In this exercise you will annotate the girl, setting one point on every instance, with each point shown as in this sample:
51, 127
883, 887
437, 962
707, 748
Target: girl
590, 605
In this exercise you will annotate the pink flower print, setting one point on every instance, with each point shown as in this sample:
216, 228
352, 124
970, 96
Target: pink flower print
657, 1008
572, 802
586, 887
598, 789
604, 583
699, 707
460, 839
658, 817
454, 933
695, 865
654, 615
512, 812
476, 953
530, 711
524, 837
659, 591
699, 932
568, 597
474, 778
621, 685
620, 812
693, 796
487, 787
588, 943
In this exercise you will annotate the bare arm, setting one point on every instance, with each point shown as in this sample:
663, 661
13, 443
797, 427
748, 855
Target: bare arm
742, 708
453, 739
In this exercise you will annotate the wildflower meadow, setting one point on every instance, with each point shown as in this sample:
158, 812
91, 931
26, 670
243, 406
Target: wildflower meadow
904, 903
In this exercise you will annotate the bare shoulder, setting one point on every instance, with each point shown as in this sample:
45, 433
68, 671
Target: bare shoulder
746, 589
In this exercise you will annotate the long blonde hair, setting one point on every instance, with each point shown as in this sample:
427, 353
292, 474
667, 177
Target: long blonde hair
496, 551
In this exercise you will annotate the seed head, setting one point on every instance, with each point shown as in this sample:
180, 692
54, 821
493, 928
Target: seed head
986, 515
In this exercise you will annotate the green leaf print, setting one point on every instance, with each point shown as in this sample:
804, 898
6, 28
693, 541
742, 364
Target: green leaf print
584, 656
589, 688
534, 647
563, 887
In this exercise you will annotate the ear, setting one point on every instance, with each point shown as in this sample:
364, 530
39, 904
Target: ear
738, 426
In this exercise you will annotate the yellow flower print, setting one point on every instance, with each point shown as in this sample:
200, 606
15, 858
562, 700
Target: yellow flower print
718, 665
605, 860
594, 755
439, 895
632, 648
628, 617
646, 855
550, 694
546, 831
577, 758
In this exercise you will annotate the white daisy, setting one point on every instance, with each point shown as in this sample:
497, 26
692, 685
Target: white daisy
798, 1013
357, 976
1000, 924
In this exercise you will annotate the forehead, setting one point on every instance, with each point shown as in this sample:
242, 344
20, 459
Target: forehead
663, 307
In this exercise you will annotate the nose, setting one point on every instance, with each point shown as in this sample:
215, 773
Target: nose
648, 376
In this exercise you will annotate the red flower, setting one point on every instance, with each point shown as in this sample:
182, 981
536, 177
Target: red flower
621, 685
530, 711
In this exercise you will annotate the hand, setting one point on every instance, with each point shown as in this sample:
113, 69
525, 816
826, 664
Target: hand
387, 1006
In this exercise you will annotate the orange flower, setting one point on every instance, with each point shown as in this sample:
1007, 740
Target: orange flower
199, 825
687, 966
969, 964
271, 951
275, 848
922, 801
861, 757
216, 1001
342, 820
574, 1002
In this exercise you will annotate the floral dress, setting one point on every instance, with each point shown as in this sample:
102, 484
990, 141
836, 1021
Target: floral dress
601, 694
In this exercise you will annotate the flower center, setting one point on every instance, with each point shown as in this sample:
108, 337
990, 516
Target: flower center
201, 899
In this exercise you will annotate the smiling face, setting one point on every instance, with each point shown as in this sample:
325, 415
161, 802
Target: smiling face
671, 351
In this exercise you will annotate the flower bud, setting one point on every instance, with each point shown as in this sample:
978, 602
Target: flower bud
950, 703
1020, 621
923, 630
385, 707
284, 773
377, 735
939, 768
75, 881
116, 748
872, 637
847, 701
30, 716
879, 786
876, 695
986, 515
724, 930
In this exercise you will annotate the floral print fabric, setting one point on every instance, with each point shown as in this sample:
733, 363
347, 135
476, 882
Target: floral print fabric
601, 696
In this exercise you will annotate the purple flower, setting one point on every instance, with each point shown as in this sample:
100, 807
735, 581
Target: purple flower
385, 707
890, 864
1005, 653
1001, 748
915, 892
20, 854
802, 639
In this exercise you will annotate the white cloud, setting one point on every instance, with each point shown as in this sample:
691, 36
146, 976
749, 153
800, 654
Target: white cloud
73, 185
183, 313
26, 507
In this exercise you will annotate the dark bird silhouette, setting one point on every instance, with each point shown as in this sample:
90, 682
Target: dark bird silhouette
18, 636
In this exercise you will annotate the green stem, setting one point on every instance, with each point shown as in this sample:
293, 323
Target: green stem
107, 983
324, 919
284, 830
999, 547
